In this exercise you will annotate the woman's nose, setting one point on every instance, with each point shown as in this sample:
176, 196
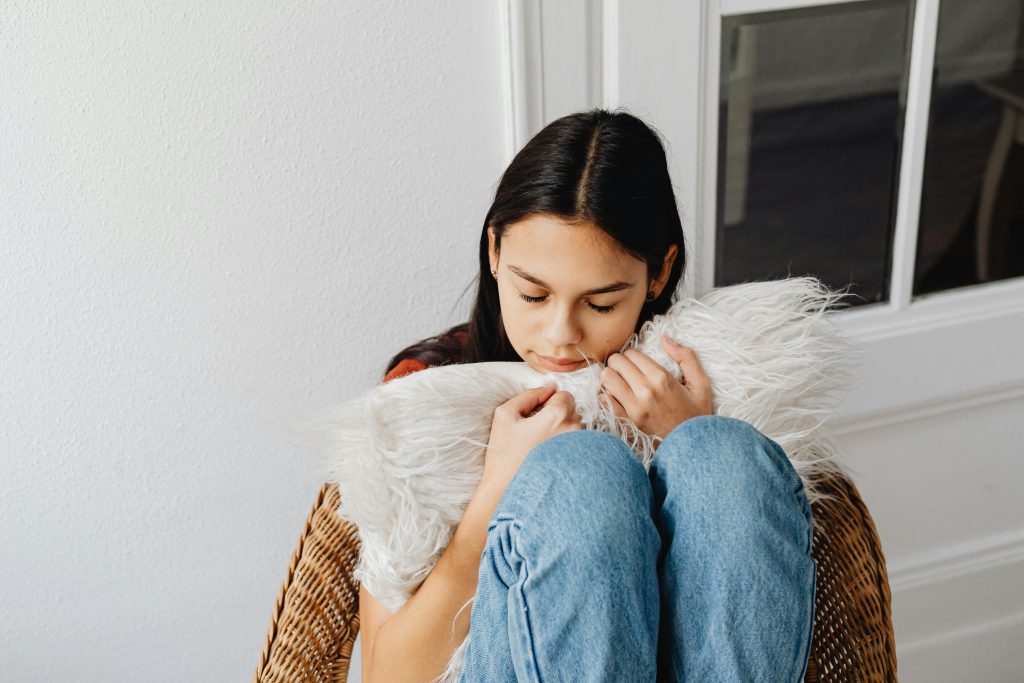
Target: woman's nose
562, 329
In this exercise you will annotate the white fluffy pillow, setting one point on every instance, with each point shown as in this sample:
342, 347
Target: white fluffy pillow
408, 455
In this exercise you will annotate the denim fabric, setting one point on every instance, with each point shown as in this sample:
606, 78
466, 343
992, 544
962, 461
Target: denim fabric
595, 570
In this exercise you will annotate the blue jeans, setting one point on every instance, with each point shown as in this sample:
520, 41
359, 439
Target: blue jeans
699, 570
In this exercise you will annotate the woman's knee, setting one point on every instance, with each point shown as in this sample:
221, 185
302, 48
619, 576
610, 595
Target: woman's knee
722, 478
716, 455
589, 463
585, 483
722, 473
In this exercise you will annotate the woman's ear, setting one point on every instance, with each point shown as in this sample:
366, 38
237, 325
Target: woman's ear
492, 252
666, 270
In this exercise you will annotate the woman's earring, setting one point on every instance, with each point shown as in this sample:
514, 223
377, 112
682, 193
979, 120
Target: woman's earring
650, 295
494, 274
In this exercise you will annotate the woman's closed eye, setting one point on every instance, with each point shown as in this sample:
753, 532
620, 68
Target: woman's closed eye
538, 299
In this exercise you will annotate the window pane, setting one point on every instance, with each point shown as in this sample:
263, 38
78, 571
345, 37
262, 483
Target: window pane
809, 138
972, 200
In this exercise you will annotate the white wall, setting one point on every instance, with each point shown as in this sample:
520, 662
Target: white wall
214, 218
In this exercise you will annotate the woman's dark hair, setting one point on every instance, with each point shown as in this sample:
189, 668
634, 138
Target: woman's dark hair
600, 166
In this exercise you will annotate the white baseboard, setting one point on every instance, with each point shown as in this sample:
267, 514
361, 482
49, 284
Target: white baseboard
976, 555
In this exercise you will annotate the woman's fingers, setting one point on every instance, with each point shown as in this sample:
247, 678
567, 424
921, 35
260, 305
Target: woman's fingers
614, 383
562, 400
647, 365
524, 403
616, 407
635, 378
563, 406
694, 376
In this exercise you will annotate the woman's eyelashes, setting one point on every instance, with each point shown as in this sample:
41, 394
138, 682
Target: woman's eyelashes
538, 299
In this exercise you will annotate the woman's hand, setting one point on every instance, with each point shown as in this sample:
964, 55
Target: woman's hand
643, 391
521, 423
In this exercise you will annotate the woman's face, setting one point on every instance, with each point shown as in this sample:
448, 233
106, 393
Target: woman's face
568, 291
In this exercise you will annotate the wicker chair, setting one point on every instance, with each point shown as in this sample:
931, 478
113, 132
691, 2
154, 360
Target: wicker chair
316, 617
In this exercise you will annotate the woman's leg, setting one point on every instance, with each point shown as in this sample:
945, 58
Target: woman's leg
737, 578
568, 585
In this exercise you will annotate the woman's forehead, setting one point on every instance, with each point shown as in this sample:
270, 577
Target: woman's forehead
558, 248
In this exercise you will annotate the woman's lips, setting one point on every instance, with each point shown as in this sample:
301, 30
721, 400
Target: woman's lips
553, 365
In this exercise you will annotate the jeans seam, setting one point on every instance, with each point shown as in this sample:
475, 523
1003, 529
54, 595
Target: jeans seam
805, 652
532, 665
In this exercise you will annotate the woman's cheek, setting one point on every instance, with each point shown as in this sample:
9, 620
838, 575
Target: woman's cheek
608, 338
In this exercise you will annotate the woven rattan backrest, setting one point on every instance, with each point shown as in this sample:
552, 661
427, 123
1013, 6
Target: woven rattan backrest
853, 636
316, 616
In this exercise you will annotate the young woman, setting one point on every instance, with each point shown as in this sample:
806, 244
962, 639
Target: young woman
581, 565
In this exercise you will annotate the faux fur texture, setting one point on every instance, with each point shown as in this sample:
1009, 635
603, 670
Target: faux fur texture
408, 455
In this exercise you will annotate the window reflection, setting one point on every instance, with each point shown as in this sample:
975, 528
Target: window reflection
972, 204
811, 119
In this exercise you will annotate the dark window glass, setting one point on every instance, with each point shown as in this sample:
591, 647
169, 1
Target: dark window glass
972, 199
811, 119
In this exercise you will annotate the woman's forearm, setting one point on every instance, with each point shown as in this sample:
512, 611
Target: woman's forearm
416, 642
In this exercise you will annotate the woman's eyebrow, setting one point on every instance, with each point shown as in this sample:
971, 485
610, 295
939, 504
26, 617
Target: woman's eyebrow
613, 287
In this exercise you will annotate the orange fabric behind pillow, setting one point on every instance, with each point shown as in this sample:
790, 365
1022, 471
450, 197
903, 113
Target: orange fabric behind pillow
404, 367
